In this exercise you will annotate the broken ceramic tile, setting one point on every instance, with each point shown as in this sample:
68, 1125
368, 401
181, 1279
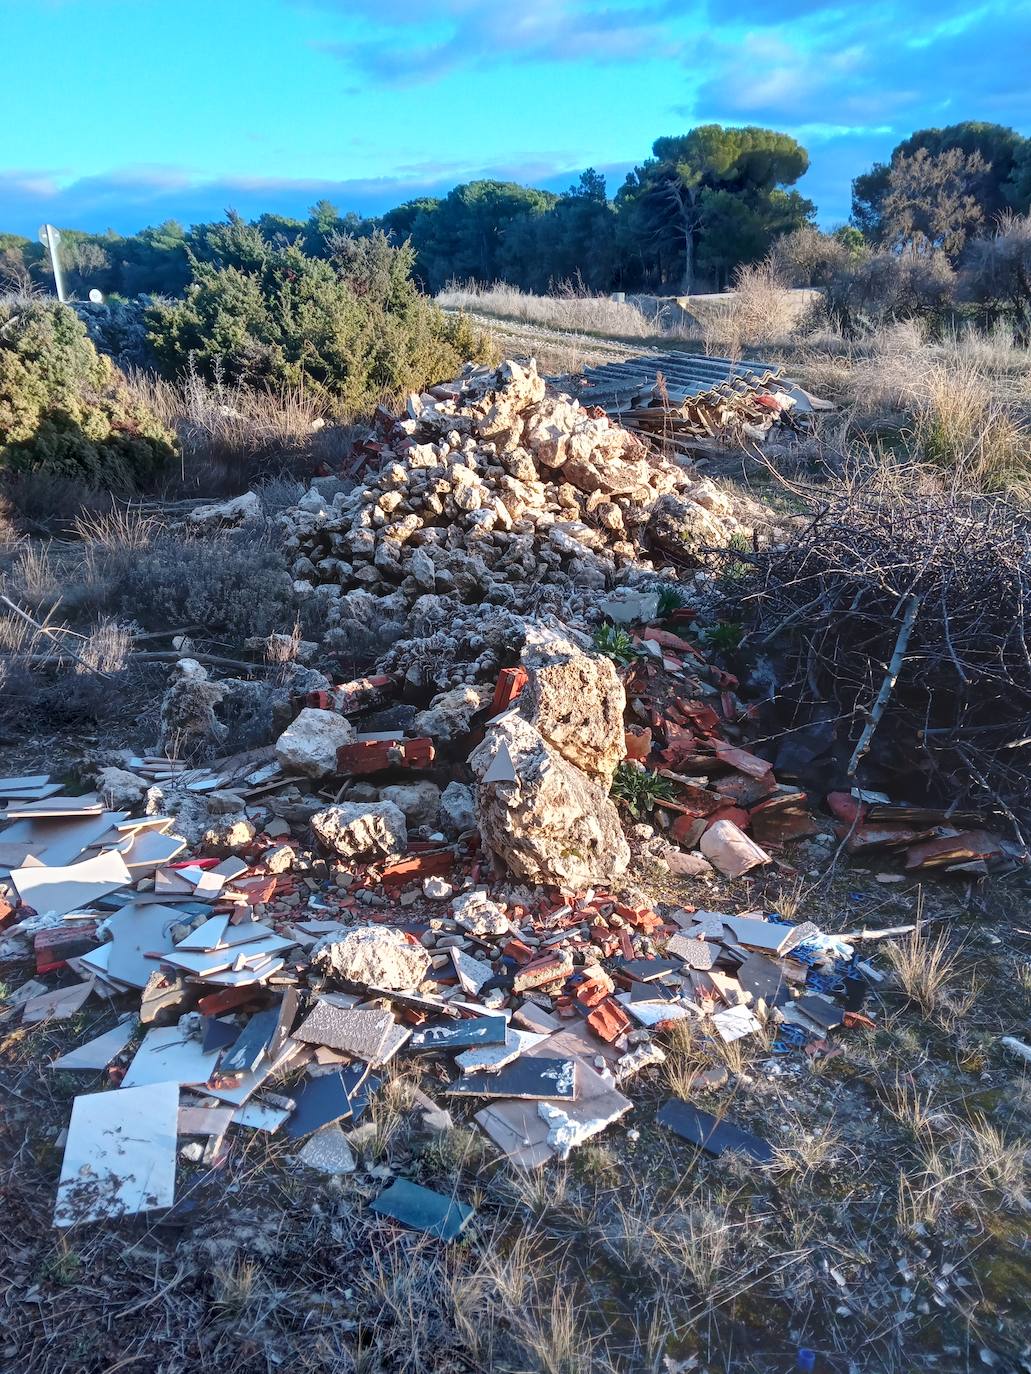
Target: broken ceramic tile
646, 970
216, 1034
119, 1158
490, 1058
167, 1056
260, 1116
735, 1022
137, 931
763, 978
458, 1035
822, 1010
250, 1046
56, 891
694, 953
423, 1210
320, 1101
206, 937
56, 1005
98, 1052
712, 1135
536, 1078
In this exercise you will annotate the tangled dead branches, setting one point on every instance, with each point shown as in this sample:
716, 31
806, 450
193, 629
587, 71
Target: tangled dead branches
907, 607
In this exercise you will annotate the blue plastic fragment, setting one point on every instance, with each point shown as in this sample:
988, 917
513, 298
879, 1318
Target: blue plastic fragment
806, 1360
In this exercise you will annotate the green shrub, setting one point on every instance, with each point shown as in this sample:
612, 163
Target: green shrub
353, 329
65, 410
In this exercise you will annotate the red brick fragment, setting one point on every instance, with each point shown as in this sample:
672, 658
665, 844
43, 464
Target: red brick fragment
374, 755
54, 946
433, 864
517, 950
953, 849
594, 987
550, 969
609, 1021
511, 682
226, 1000
742, 760
846, 807
6, 913
667, 640
740, 817
688, 830
637, 742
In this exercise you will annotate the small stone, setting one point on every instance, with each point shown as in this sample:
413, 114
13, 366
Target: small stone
436, 888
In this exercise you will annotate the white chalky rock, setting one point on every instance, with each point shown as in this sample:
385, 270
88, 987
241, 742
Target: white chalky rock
552, 824
356, 829
376, 956
310, 744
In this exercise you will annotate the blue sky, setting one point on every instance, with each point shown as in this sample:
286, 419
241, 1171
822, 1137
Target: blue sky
120, 113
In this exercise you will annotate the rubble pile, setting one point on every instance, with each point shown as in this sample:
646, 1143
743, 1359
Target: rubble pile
430, 861
494, 497
266, 981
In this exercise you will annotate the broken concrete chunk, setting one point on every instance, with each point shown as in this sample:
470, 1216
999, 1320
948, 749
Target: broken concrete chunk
375, 956
357, 829
328, 1152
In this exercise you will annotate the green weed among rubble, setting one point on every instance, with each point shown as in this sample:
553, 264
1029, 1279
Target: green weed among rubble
639, 790
615, 643
671, 599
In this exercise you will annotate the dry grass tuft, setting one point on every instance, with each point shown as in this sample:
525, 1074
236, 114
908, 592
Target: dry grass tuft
925, 969
962, 423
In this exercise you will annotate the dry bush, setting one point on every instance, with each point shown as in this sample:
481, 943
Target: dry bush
233, 436
962, 423
888, 547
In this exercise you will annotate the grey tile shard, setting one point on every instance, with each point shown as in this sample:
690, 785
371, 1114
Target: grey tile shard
350, 1030
421, 1209
98, 1052
166, 1056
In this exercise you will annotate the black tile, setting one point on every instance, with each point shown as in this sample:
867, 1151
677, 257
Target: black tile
710, 1134
218, 1034
460, 1035
320, 1101
248, 1049
530, 1077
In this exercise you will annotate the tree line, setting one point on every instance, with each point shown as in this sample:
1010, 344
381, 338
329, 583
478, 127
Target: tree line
705, 203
